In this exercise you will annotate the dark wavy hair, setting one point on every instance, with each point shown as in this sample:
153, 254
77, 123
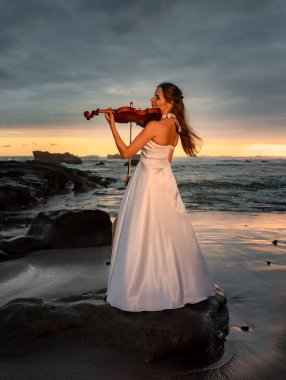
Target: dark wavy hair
191, 142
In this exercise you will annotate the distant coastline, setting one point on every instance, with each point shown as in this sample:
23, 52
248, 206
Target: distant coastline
93, 156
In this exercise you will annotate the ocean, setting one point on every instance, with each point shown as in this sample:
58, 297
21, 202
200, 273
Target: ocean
205, 184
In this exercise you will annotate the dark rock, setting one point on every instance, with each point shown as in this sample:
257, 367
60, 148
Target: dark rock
99, 163
198, 329
245, 328
14, 194
6, 236
269, 262
66, 229
134, 162
4, 256
30, 300
62, 229
56, 158
275, 242
18, 246
28, 183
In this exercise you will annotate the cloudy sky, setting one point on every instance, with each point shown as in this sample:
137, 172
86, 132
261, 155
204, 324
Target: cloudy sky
59, 58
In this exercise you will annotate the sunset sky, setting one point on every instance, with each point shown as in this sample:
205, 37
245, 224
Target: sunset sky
60, 58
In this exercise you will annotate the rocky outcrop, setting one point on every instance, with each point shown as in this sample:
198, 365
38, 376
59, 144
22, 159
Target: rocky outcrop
199, 330
116, 155
4, 256
99, 163
29, 183
60, 229
56, 158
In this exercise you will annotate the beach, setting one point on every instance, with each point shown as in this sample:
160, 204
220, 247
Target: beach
138, 116
243, 261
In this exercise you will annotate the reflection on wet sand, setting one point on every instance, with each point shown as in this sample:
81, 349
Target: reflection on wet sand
239, 255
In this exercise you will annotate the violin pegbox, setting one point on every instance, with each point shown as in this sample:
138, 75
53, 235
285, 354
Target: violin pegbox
90, 115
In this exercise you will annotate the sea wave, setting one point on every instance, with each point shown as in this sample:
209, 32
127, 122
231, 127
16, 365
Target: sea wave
222, 184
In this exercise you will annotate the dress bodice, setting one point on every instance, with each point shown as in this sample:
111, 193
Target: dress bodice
155, 155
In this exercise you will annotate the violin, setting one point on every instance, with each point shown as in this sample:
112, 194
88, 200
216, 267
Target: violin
129, 114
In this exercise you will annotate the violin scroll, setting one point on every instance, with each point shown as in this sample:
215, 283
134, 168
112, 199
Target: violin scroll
90, 115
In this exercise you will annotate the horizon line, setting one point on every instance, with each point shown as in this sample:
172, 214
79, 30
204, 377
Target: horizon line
185, 156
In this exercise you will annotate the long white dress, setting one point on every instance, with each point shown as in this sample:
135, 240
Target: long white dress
156, 261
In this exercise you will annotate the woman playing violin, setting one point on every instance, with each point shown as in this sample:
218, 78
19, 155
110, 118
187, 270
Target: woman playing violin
168, 98
156, 261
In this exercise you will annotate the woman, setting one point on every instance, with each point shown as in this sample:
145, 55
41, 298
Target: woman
156, 261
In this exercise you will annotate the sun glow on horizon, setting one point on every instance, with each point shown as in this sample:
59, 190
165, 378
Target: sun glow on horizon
99, 141
268, 149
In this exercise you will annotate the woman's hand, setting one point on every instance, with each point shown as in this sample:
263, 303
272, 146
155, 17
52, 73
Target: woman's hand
110, 118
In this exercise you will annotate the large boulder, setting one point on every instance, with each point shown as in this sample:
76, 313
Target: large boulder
199, 329
61, 229
56, 158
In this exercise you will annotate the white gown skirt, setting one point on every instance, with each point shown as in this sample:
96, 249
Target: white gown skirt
156, 261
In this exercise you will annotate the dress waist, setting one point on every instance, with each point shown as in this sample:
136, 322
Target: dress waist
154, 162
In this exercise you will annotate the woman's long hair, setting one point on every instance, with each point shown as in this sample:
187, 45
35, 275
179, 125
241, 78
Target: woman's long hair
191, 142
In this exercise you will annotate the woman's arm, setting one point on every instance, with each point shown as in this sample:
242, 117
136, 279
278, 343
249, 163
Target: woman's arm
140, 140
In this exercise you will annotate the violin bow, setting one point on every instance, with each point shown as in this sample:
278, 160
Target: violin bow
127, 178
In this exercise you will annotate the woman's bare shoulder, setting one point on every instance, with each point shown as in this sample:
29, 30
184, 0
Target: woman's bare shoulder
165, 133
151, 125
166, 121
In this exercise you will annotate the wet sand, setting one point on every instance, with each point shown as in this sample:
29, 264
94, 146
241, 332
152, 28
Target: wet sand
237, 247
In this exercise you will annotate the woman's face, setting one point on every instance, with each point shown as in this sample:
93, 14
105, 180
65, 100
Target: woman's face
159, 101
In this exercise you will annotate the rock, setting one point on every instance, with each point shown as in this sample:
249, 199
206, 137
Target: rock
134, 162
99, 163
198, 329
65, 229
245, 328
20, 245
116, 155
62, 229
275, 242
134, 158
4, 256
56, 158
28, 183
14, 194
